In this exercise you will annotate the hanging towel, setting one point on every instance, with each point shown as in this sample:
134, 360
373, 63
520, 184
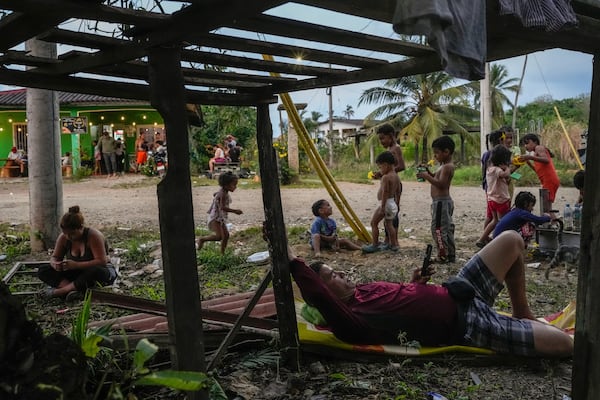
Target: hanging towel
456, 29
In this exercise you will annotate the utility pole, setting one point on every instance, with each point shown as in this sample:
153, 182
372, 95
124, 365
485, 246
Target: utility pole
514, 118
329, 93
485, 109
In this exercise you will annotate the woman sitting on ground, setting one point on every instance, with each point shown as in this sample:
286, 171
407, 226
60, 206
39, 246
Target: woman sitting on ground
80, 260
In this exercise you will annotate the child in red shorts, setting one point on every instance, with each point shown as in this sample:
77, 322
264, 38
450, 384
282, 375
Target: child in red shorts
497, 176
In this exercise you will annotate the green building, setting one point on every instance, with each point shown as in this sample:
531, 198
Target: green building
83, 118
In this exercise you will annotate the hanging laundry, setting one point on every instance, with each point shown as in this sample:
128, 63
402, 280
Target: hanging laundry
549, 15
456, 29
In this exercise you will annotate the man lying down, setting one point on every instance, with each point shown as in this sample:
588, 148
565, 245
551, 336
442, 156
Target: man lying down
458, 312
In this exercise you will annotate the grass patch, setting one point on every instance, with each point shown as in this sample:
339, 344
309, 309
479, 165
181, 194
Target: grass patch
14, 242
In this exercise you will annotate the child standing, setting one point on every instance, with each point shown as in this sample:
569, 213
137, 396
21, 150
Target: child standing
520, 218
498, 196
542, 164
442, 206
323, 231
389, 195
217, 213
388, 139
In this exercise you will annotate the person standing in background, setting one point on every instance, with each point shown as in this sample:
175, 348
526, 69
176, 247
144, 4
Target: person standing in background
542, 164
141, 151
120, 156
107, 147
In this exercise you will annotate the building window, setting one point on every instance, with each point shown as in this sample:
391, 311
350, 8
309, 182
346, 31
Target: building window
20, 136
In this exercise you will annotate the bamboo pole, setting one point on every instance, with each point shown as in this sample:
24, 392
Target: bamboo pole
568, 139
319, 165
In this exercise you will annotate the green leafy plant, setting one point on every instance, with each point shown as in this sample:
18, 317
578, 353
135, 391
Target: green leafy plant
149, 168
82, 172
86, 339
139, 374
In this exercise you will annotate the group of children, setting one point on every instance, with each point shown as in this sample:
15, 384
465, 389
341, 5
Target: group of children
498, 165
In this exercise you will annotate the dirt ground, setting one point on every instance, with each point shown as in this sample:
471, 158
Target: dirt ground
131, 202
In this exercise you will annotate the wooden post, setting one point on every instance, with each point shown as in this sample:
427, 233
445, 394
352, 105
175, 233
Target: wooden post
176, 217
586, 361
282, 283
293, 153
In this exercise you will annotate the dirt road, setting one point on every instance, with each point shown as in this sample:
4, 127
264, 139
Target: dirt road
131, 201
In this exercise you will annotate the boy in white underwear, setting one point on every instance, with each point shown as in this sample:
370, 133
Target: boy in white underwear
389, 197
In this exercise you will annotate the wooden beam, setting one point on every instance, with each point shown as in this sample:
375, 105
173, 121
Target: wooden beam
175, 215
85, 9
383, 12
282, 284
585, 384
319, 33
172, 30
23, 58
123, 90
17, 28
138, 70
81, 39
256, 64
412, 66
283, 50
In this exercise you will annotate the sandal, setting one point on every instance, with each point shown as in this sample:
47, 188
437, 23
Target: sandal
47, 292
481, 244
74, 296
371, 248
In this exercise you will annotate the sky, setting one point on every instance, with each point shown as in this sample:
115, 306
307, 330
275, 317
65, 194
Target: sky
558, 73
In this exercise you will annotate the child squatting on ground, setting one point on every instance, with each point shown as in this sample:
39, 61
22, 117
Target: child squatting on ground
520, 218
442, 206
389, 196
218, 211
323, 231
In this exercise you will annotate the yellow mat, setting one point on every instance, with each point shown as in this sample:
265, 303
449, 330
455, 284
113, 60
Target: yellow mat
311, 334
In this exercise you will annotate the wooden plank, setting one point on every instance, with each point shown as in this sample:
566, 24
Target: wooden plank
319, 33
284, 50
17, 28
412, 66
182, 290
282, 284
123, 90
586, 361
257, 64
360, 8
88, 9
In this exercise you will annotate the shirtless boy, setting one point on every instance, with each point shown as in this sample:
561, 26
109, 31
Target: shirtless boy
389, 196
388, 139
442, 207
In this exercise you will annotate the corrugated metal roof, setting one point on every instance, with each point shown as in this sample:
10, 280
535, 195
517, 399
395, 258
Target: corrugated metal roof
17, 97
232, 304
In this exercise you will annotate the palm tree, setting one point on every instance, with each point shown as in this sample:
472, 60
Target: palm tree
312, 123
500, 83
429, 102
349, 112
